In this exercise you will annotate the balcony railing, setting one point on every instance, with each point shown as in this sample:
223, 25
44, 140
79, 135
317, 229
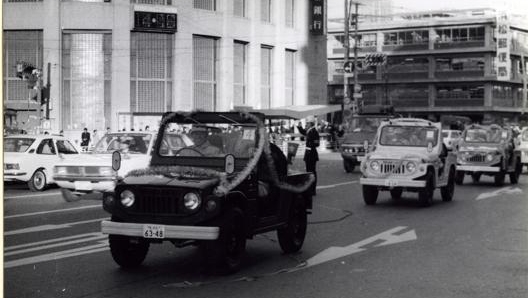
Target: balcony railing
407, 75
459, 44
410, 102
459, 102
405, 47
458, 74
341, 51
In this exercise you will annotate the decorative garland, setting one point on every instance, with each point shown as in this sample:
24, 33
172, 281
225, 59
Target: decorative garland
225, 185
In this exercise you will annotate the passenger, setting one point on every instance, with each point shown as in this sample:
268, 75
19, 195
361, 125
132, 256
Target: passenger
199, 137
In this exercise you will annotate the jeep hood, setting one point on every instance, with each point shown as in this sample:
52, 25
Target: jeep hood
480, 147
401, 153
161, 180
358, 137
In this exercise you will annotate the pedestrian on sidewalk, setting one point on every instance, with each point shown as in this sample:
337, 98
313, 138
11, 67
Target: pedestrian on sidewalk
85, 139
312, 142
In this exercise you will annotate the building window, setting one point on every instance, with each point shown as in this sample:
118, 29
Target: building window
86, 77
265, 11
460, 92
405, 37
406, 65
155, 2
447, 35
23, 46
86, 1
22, 0
289, 13
289, 70
150, 72
204, 73
239, 8
205, 4
239, 73
266, 67
459, 64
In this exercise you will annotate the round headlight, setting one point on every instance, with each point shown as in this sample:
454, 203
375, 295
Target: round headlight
127, 198
489, 157
61, 170
192, 201
374, 165
411, 166
106, 171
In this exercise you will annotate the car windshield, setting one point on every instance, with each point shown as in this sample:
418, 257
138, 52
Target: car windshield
131, 143
445, 134
17, 144
208, 140
481, 135
416, 136
65, 147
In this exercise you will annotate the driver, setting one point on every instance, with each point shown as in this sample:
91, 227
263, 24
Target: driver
201, 143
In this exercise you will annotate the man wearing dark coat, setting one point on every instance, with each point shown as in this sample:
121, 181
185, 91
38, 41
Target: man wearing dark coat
312, 142
85, 138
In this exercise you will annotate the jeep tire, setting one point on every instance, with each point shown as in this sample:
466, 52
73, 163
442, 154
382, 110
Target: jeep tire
514, 176
448, 191
459, 177
349, 166
425, 195
224, 255
476, 177
499, 178
370, 194
396, 193
128, 252
291, 237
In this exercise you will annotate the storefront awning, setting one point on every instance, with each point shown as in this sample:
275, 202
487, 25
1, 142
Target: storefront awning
298, 112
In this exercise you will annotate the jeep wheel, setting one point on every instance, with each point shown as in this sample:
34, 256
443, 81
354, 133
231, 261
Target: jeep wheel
476, 177
291, 237
128, 252
514, 177
396, 193
349, 166
499, 178
459, 177
425, 195
449, 190
224, 255
370, 194
37, 182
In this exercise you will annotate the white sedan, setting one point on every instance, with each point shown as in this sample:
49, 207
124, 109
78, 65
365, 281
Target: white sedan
30, 158
93, 171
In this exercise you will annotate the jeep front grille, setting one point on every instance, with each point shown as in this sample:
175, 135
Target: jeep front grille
476, 158
157, 201
387, 167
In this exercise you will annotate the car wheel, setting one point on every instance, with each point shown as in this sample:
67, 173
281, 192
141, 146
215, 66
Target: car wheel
476, 177
449, 190
370, 194
349, 166
514, 177
459, 177
128, 252
291, 237
38, 181
224, 255
396, 193
499, 178
425, 195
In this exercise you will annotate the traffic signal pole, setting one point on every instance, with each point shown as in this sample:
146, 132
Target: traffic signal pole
346, 44
356, 84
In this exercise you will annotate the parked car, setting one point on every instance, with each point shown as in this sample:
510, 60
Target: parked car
451, 138
408, 155
30, 158
523, 146
93, 171
215, 193
488, 150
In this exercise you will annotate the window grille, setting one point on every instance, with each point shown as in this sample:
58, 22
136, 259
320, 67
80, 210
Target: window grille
289, 69
289, 13
239, 73
204, 73
265, 11
266, 67
205, 4
239, 8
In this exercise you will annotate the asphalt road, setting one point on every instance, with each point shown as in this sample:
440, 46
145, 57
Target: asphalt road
474, 246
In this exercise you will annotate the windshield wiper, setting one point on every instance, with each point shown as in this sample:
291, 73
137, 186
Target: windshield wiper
227, 118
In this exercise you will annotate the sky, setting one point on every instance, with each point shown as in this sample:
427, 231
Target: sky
335, 7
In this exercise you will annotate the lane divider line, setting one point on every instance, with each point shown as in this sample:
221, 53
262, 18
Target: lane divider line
33, 195
53, 211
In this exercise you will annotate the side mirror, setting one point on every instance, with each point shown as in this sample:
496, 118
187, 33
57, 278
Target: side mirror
365, 145
429, 146
116, 161
229, 164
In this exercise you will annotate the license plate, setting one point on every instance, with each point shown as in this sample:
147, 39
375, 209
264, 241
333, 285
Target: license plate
83, 185
391, 183
153, 231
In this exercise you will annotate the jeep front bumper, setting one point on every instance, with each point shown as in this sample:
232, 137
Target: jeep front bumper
171, 232
392, 182
468, 168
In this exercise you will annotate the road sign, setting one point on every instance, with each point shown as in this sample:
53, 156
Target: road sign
357, 88
347, 101
348, 67
375, 59
357, 95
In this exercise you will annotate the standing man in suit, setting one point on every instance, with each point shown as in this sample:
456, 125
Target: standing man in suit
85, 138
312, 142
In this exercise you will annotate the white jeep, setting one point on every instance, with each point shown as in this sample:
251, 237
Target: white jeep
408, 154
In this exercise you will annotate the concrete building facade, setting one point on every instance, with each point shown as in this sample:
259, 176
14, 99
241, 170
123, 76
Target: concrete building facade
106, 70
465, 63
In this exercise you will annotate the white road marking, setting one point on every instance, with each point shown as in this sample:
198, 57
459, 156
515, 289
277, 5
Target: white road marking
337, 184
52, 211
51, 227
33, 195
499, 192
332, 253
51, 241
42, 247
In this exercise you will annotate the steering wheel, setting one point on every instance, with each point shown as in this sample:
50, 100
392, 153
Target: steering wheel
189, 148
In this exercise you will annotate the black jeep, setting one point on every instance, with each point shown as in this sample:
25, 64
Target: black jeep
223, 185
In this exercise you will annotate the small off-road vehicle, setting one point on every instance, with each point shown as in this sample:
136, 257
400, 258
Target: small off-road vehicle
408, 155
227, 186
488, 150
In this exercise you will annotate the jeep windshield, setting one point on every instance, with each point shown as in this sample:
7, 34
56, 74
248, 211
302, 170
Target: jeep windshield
414, 136
208, 140
129, 143
481, 135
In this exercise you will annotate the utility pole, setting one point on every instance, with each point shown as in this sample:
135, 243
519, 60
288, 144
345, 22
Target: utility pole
346, 60
346, 44
525, 83
356, 84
